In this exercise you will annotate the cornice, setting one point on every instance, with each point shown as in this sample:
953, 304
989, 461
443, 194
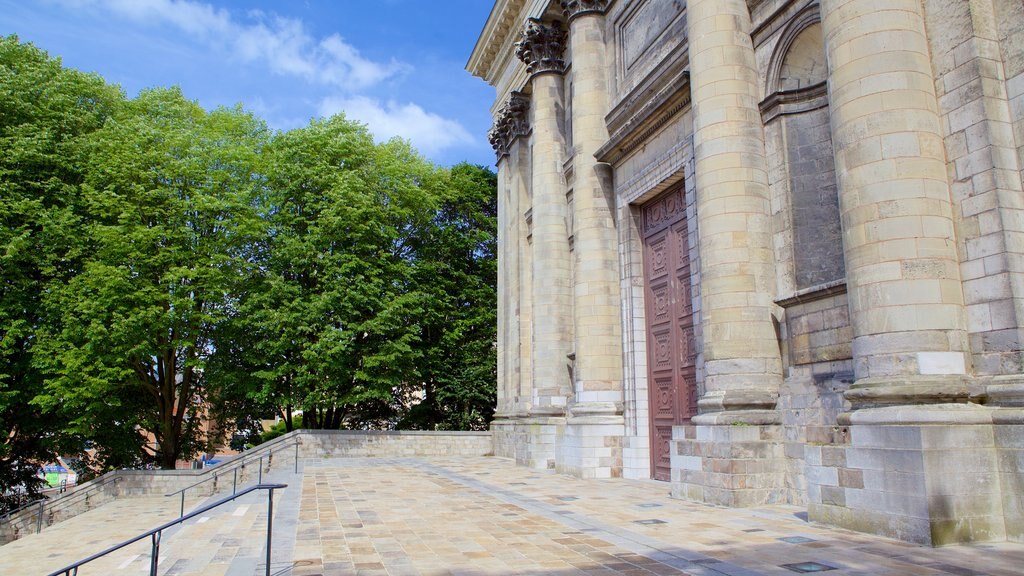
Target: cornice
502, 22
796, 101
645, 111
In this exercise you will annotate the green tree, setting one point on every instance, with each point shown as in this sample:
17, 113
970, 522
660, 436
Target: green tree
456, 267
335, 318
167, 198
45, 110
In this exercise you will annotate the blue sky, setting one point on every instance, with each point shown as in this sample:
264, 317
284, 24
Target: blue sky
396, 65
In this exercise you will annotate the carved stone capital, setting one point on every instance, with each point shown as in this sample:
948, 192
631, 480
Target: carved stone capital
574, 8
541, 47
512, 122
499, 140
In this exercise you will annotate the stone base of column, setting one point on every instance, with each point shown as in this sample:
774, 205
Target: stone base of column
590, 446
930, 474
737, 465
536, 438
503, 435
738, 407
907, 391
528, 439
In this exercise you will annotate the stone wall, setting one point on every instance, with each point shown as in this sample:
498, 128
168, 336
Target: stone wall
356, 444
930, 484
244, 470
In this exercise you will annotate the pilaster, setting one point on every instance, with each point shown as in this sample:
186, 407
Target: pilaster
510, 125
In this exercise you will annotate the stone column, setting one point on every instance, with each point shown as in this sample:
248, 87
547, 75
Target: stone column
507, 127
716, 461
903, 279
541, 49
742, 363
499, 142
914, 443
593, 443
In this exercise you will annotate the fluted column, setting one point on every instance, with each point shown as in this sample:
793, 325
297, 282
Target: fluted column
903, 279
598, 367
541, 48
743, 368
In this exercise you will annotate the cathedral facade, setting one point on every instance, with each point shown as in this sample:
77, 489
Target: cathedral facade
767, 251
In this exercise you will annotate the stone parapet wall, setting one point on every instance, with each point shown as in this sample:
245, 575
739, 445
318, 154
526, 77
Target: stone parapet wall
356, 444
244, 470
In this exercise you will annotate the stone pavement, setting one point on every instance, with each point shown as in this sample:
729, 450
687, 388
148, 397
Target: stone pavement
477, 516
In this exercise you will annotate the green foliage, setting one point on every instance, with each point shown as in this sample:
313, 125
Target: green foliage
169, 274
166, 197
45, 111
280, 429
457, 268
335, 316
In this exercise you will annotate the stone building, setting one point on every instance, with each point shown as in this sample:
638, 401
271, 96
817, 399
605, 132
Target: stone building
768, 251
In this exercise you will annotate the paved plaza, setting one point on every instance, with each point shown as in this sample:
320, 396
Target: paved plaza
476, 516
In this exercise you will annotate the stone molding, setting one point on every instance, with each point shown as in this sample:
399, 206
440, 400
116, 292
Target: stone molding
513, 121
794, 101
502, 23
541, 47
574, 8
643, 113
795, 26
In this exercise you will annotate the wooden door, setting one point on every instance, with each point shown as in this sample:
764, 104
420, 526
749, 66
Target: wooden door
671, 354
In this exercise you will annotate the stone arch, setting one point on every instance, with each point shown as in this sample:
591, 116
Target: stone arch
798, 61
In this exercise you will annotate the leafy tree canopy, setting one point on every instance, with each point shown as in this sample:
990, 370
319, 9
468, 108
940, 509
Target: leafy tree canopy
168, 273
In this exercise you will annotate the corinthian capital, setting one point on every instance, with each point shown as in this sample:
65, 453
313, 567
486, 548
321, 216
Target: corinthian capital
512, 122
517, 114
573, 8
541, 47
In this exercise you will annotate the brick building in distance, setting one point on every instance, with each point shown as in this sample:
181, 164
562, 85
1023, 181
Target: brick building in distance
768, 251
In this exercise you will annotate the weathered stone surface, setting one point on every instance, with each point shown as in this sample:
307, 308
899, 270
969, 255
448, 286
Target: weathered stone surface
854, 238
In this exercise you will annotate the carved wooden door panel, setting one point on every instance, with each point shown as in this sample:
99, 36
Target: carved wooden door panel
671, 354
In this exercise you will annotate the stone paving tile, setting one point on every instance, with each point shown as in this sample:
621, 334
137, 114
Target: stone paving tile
88, 533
486, 516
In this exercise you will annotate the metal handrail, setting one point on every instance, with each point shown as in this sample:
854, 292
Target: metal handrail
7, 515
234, 466
60, 503
156, 533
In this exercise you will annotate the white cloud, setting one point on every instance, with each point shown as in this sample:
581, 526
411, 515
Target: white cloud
428, 132
282, 44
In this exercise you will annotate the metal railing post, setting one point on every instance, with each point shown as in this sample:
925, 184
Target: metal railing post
182, 511
296, 457
154, 557
39, 518
234, 480
260, 481
270, 525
